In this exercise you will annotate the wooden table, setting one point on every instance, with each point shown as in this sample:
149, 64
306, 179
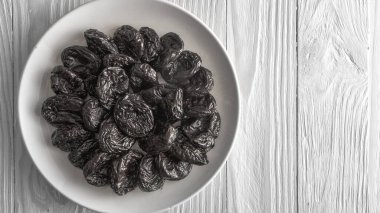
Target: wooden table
309, 139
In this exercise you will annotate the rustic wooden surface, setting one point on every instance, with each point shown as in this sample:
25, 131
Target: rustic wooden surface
311, 115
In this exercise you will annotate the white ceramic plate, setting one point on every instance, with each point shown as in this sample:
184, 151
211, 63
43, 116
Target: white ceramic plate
107, 16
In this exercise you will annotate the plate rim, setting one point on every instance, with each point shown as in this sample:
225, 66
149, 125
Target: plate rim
225, 53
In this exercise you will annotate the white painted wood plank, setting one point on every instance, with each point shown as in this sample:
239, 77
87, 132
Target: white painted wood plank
333, 106
6, 109
262, 167
32, 192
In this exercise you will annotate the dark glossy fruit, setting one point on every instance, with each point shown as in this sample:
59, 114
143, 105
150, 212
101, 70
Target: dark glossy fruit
200, 106
204, 140
171, 168
90, 85
129, 41
112, 84
112, 140
81, 60
171, 42
215, 123
125, 172
133, 116
143, 76
118, 60
62, 110
93, 114
200, 84
100, 43
70, 137
96, 170
151, 44
79, 157
171, 108
155, 144
64, 81
156, 94
149, 176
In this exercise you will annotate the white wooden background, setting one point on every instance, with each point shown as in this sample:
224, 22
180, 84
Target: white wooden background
310, 84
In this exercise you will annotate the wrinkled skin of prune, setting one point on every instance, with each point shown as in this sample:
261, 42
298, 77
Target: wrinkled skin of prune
90, 85
172, 106
195, 126
200, 84
184, 150
79, 157
112, 83
171, 42
171, 168
62, 110
149, 177
151, 44
204, 140
129, 41
200, 106
215, 123
155, 144
133, 116
96, 170
156, 94
143, 76
70, 137
100, 43
64, 81
185, 66
112, 140
125, 172
118, 60
81, 60
93, 114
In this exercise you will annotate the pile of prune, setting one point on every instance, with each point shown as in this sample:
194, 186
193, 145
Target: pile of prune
132, 110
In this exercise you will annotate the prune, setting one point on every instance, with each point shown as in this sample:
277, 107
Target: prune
200, 106
204, 140
100, 43
171, 168
81, 60
112, 140
172, 106
96, 170
156, 94
155, 144
183, 150
70, 137
112, 83
151, 44
92, 114
200, 84
64, 81
133, 116
185, 66
194, 126
149, 177
90, 84
118, 60
142, 76
79, 157
125, 172
171, 42
61, 110
215, 123
129, 41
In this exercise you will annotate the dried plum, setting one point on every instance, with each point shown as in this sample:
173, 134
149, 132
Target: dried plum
79, 157
100, 43
172, 106
81, 60
96, 170
61, 110
129, 41
155, 144
112, 83
112, 140
149, 177
200, 84
171, 42
90, 85
92, 114
142, 76
156, 94
185, 66
151, 44
133, 116
215, 123
69, 137
194, 126
118, 60
200, 106
204, 140
64, 81
171, 168
125, 172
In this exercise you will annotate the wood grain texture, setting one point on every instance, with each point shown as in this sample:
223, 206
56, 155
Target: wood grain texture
6, 109
262, 167
333, 106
